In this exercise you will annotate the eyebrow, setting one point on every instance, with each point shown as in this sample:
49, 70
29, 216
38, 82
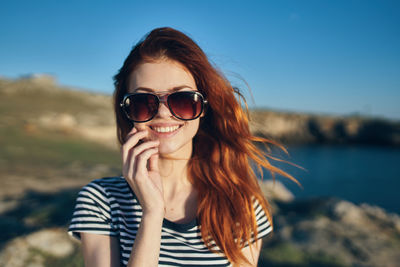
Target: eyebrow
174, 89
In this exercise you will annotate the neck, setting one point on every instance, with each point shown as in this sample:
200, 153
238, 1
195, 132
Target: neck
173, 170
174, 175
180, 195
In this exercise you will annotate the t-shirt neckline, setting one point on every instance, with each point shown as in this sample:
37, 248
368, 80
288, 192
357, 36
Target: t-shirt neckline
179, 226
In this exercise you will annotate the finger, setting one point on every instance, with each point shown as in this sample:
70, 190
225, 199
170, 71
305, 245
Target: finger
131, 142
133, 139
143, 146
153, 165
125, 149
137, 150
132, 131
141, 162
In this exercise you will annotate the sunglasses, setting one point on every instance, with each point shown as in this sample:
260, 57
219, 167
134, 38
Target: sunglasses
143, 107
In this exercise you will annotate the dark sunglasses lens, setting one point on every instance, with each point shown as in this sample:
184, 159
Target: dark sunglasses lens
141, 107
186, 105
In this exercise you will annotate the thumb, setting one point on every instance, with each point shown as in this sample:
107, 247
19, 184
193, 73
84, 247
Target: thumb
153, 163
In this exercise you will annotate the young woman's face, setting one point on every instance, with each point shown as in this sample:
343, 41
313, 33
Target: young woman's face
163, 77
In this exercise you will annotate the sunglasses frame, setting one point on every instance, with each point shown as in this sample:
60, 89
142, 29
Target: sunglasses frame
162, 98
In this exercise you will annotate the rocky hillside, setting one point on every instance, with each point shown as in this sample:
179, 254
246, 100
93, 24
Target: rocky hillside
39, 103
51, 133
330, 232
321, 129
90, 115
315, 232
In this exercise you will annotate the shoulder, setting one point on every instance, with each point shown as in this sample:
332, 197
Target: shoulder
258, 209
108, 193
108, 182
99, 206
107, 186
264, 226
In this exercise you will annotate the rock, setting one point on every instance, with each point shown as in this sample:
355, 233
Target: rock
276, 191
352, 235
105, 135
87, 127
349, 213
41, 79
312, 128
52, 241
32, 249
63, 121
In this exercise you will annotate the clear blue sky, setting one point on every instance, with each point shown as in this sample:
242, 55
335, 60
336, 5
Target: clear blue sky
335, 57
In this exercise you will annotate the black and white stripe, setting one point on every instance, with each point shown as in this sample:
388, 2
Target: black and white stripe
108, 206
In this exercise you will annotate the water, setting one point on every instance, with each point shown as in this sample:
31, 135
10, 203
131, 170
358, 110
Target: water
360, 174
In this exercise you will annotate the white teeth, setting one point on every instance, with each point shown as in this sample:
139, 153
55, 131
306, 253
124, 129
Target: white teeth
165, 129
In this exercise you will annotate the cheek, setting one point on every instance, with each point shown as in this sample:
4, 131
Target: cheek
192, 129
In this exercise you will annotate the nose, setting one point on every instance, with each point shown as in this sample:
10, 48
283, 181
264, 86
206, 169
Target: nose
163, 109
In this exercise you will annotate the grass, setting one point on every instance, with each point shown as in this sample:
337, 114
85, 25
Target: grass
73, 260
24, 153
27, 149
284, 254
24, 100
36, 157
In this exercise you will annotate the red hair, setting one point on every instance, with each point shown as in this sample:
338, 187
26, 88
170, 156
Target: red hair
227, 184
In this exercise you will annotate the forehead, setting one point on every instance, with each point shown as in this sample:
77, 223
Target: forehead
160, 76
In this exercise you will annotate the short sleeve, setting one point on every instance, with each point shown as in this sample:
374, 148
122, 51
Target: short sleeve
92, 212
263, 224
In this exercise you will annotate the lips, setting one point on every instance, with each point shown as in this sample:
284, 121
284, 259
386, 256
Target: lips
167, 129
163, 129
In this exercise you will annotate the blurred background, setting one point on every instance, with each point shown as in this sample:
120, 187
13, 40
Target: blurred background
321, 77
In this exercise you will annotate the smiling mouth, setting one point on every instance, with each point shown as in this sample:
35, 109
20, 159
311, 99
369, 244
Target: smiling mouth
168, 129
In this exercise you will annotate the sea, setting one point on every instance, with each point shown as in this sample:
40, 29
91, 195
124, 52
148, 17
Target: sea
360, 174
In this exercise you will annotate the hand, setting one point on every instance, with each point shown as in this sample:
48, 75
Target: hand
140, 169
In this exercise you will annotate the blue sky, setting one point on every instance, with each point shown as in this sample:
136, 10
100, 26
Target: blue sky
332, 57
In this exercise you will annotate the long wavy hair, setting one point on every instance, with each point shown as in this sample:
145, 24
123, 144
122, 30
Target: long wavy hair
222, 173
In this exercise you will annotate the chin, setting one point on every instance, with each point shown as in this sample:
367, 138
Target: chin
166, 149
180, 151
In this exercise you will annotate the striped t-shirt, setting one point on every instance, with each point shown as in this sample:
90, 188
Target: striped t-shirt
108, 206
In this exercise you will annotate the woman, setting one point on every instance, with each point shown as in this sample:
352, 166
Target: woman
188, 195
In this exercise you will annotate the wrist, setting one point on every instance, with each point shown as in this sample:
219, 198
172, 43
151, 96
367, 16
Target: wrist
153, 215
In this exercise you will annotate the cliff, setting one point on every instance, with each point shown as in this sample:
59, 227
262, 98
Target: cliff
312, 128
